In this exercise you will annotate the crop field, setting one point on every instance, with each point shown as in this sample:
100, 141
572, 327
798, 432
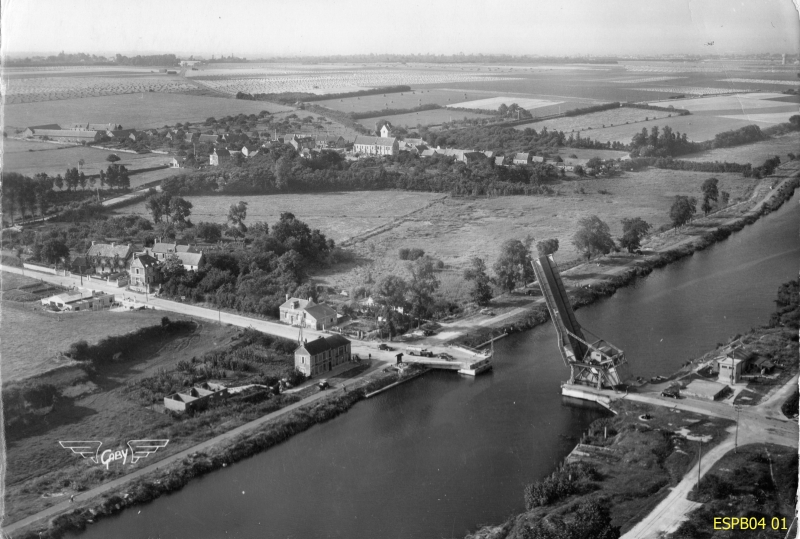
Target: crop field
755, 153
774, 82
30, 158
338, 215
596, 120
698, 128
402, 100
342, 82
740, 102
493, 103
150, 109
34, 89
427, 118
458, 229
765, 118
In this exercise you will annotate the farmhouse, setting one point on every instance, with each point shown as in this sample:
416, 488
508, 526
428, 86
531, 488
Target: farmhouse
330, 141
319, 317
208, 138
499, 160
119, 134
522, 158
219, 156
144, 271
109, 257
376, 145
177, 162
80, 300
322, 355
250, 150
190, 257
197, 398
292, 311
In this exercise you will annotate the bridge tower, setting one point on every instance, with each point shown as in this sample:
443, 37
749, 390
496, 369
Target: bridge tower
595, 363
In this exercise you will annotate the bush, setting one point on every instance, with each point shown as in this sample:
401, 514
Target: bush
404, 252
415, 253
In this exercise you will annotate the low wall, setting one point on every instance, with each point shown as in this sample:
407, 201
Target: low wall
41, 269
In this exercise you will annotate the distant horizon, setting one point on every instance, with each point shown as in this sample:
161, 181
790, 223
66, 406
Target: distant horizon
514, 27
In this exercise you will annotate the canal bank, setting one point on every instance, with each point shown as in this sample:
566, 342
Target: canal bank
444, 401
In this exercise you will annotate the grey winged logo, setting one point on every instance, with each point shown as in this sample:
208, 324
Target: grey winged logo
90, 449
143, 448
87, 449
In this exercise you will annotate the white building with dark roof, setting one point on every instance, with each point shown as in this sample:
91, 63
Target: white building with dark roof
376, 145
110, 257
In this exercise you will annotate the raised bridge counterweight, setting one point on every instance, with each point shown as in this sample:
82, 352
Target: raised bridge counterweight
599, 364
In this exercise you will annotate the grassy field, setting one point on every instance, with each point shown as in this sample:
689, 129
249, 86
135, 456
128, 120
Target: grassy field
456, 230
755, 153
337, 215
596, 120
427, 117
144, 110
30, 158
22, 360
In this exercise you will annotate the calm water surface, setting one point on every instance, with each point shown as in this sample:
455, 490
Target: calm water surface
444, 454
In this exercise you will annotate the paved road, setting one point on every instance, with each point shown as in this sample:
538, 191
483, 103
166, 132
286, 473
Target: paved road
763, 423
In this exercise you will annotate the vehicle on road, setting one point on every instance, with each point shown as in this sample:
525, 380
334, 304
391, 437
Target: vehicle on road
446, 356
323, 384
671, 392
418, 351
487, 312
384, 346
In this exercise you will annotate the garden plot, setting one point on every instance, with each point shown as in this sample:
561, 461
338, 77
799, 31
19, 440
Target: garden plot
25, 90
342, 82
493, 103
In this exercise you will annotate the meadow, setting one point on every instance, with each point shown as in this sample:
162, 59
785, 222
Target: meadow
456, 229
597, 120
138, 111
32, 157
21, 359
739, 102
755, 153
338, 215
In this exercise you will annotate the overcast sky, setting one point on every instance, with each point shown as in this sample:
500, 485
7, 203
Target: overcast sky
308, 27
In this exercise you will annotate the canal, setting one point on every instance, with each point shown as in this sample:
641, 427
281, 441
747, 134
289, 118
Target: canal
441, 455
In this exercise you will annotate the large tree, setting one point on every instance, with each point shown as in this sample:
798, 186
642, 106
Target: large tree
547, 247
593, 237
682, 210
481, 291
633, 230
710, 189
513, 267
422, 286
392, 291
54, 250
179, 209
237, 214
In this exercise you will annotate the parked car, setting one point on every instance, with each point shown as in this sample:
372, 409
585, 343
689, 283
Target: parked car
323, 384
446, 356
428, 332
487, 312
384, 346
